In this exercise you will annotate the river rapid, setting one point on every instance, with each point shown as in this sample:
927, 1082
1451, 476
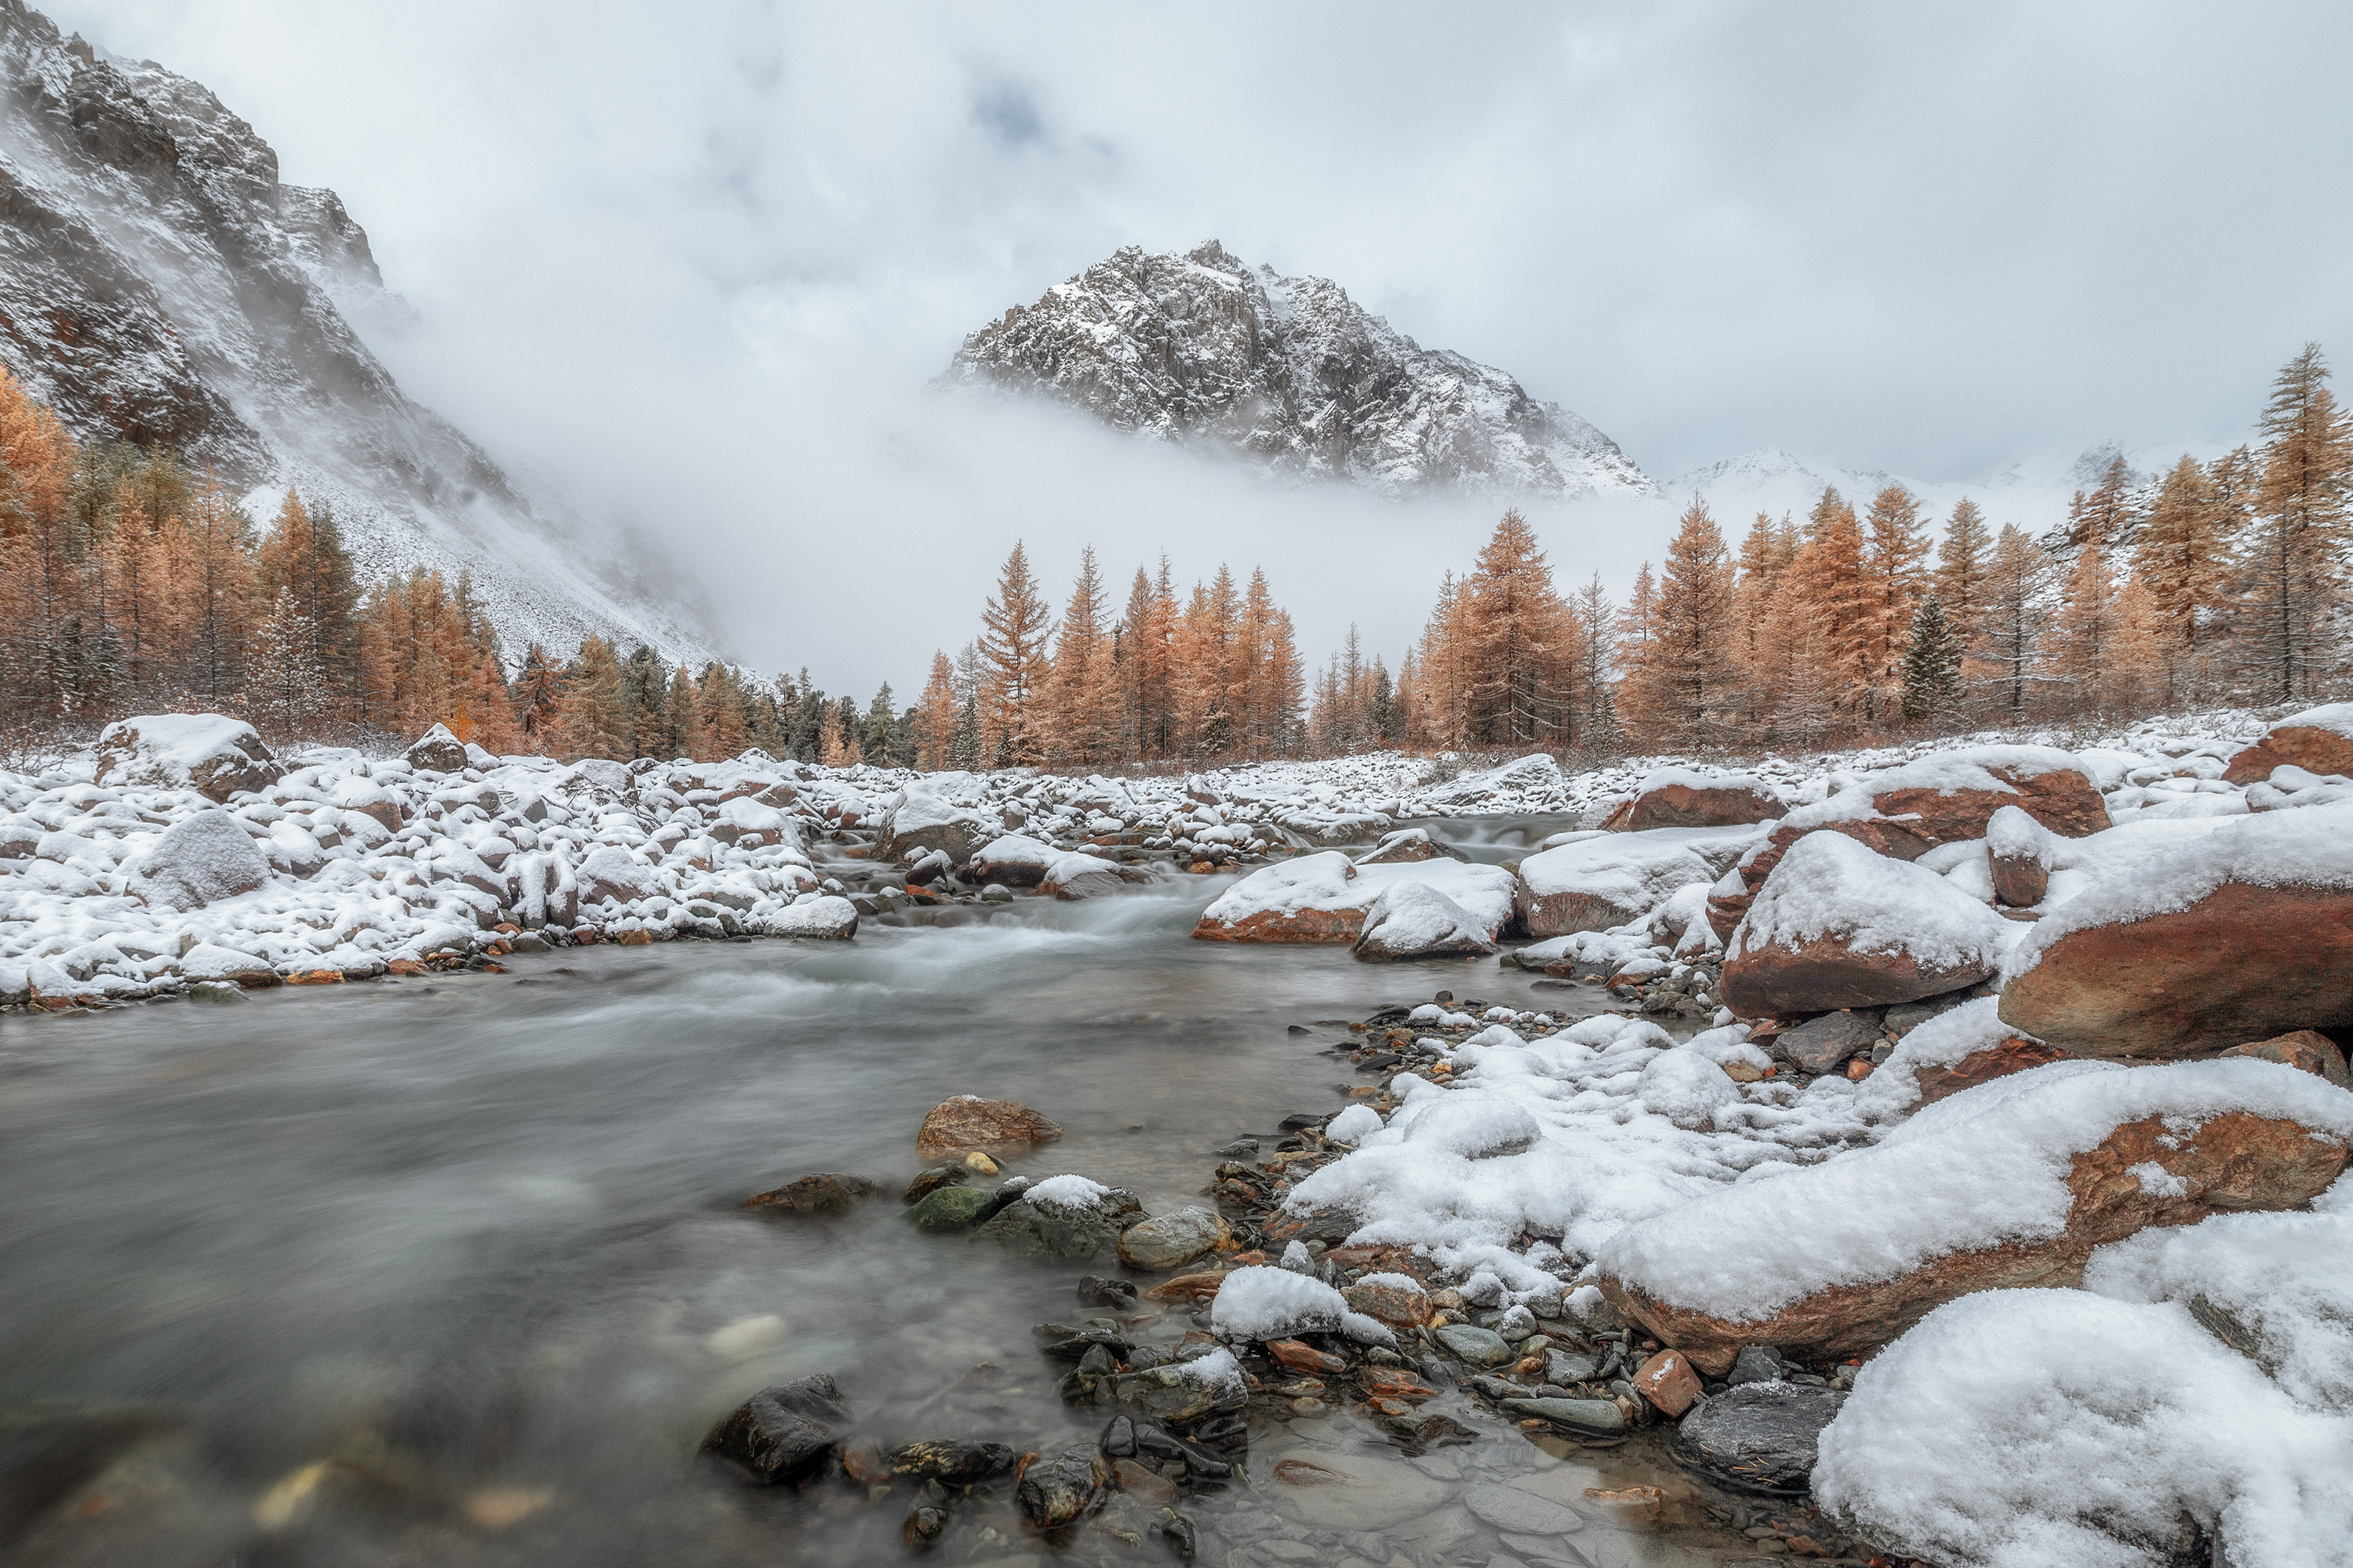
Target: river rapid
451, 1271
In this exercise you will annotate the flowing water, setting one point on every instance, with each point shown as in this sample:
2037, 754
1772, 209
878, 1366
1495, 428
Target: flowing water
451, 1272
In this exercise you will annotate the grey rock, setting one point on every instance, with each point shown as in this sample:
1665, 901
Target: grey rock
1053, 1230
1173, 1241
1757, 1364
1055, 1491
1758, 1436
784, 1432
1597, 1416
1480, 1347
1822, 1045
1565, 1366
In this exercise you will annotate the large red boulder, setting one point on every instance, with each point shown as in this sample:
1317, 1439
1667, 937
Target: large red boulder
1837, 1259
2241, 934
968, 1123
2319, 741
1838, 926
1672, 797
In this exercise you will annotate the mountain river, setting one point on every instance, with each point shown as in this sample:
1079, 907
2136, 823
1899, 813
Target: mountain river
451, 1271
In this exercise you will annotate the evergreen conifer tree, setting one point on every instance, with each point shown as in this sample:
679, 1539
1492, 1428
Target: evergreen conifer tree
1932, 665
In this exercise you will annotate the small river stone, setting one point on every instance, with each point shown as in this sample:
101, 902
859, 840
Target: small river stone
1508, 1508
1173, 1241
1601, 1415
1480, 1347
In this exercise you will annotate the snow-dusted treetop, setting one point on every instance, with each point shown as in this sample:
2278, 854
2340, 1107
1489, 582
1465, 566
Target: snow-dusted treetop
1290, 372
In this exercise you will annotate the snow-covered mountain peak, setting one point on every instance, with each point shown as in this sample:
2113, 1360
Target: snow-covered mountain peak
1199, 348
159, 284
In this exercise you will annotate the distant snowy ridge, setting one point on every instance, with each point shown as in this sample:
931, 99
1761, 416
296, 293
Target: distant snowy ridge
158, 283
1200, 349
2032, 492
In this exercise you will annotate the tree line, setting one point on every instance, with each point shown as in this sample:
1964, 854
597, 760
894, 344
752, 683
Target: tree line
128, 584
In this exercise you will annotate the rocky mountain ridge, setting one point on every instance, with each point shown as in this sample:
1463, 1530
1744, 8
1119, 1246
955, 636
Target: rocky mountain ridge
1289, 374
160, 284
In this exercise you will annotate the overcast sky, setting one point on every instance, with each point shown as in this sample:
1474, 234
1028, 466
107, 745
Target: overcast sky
699, 258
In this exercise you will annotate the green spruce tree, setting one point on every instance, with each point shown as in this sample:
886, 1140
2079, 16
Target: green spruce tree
1932, 667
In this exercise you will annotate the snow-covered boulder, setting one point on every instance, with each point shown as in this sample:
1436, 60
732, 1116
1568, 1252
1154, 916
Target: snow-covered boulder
199, 860
1838, 926
921, 821
437, 752
746, 821
1960, 1049
1067, 1216
1322, 897
1407, 844
2018, 853
2235, 935
208, 962
1836, 1258
2056, 1426
1608, 880
1946, 797
611, 872
2319, 740
1017, 860
824, 918
211, 753
1070, 875
1262, 1302
1677, 797
1414, 920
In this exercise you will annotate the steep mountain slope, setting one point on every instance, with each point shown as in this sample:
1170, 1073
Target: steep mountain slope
1289, 374
158, 283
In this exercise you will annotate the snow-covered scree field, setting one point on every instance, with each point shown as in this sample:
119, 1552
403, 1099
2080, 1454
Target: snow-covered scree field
1972, 1117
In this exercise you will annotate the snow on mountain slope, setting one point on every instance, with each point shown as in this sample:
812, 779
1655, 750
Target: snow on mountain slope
159, 284
1292, 374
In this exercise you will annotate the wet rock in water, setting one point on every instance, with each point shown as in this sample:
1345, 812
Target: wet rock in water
952, 1463
1177, 1531
2306, 1050
1173, 1241
809, 1194
1507, 1505
1480, 1347
1057, 1491
932, 1181
1758, 1436
1601, 1418
967, 1123
1141, 1481
949, 1208
1007, 1190
1095, 1292
923, 1526
1300, 1356
784, 1432
1070, 1341
1823, 1044
1410, 919
1169, 1396
1118, 1439
1069, 1222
